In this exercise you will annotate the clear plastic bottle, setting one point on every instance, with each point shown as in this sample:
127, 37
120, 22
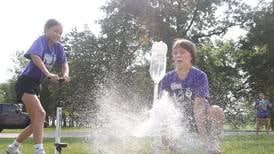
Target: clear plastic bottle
158, 61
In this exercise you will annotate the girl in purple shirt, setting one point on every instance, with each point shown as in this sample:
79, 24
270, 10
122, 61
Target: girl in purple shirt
189, 88
263, 114
43, 54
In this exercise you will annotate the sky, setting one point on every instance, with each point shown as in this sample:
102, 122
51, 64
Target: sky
23, 21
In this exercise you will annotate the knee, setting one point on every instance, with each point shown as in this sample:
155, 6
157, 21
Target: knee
216, 113
40, 114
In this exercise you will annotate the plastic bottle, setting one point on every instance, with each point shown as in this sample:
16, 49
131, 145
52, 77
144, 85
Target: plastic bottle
158, 61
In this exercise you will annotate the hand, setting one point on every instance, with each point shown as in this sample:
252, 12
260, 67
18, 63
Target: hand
53, 77
66, 79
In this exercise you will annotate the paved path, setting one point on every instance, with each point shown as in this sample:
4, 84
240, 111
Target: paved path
238, 133
49, 135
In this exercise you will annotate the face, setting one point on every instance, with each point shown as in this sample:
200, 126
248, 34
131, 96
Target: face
181, 57
261, 96
54, 33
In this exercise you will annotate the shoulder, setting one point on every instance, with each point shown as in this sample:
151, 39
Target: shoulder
170, 74
41, 40
59, 45
169, 77
199, 73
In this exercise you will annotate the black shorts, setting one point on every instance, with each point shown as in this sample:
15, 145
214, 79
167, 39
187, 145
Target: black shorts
28, 85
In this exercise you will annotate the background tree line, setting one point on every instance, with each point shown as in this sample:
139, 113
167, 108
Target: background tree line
237, 71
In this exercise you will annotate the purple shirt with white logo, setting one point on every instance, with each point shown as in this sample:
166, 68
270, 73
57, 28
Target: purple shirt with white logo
49, 55
185, 91
195, 84
263, 108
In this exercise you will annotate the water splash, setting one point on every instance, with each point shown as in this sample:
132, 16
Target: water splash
125, 126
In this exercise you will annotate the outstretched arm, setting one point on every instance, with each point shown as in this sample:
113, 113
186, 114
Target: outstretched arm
65, 71
269, 104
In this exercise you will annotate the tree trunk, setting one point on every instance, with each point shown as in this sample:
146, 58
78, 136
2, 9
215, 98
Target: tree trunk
53, 121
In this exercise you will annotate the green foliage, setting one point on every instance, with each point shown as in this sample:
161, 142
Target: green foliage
87, 70
227, 84
7, 90
257, 59
117, 56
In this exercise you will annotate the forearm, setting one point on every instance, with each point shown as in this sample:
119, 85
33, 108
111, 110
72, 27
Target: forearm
200, 118
39, 63
65, 69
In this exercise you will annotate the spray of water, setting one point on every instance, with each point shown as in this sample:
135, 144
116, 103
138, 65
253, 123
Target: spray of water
124, 125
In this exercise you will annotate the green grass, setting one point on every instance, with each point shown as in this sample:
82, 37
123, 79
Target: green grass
76, 146
248, 144
82, 146
244, 144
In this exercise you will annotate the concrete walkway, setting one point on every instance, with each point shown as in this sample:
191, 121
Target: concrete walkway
49, 135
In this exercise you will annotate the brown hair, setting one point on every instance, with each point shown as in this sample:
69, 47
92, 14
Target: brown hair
50, 23
188, 45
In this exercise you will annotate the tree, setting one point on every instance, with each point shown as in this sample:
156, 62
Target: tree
87, 70
227, 85
256, 60
8, 89
130, 26
124, 43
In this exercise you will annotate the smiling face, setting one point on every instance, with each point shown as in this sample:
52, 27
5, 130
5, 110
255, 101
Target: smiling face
181, 57
54, 33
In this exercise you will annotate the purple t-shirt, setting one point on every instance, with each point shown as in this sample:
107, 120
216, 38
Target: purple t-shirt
185, 91
49, 55
195, 84
263, 108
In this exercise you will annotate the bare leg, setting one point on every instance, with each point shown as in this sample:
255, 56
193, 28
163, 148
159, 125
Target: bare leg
28, 130
267, 126
257, 126
216, 122
216, 119
24, 134
200, 118
37, 116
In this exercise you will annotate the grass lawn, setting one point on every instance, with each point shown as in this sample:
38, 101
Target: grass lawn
243, 144
248, 144
76, 146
